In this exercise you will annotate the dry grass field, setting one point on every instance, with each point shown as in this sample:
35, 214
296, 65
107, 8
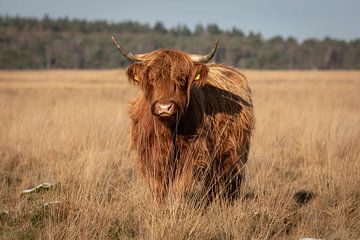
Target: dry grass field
71, 128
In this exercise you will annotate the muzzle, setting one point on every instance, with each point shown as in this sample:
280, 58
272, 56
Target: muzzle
164, 109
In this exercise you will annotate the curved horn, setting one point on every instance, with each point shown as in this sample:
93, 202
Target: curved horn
129, 55
204, 58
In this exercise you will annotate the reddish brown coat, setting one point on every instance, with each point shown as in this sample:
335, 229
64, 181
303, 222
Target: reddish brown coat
202, 152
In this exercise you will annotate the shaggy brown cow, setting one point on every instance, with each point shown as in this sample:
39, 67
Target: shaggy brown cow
191, 123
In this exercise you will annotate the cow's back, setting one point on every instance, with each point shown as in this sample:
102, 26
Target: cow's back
229, 79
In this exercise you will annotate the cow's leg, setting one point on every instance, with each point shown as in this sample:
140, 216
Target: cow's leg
225, 175
158, 189
157, 167
156, 172
231, 184
234, 175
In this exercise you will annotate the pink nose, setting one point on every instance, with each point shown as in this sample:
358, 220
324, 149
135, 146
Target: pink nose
164, 108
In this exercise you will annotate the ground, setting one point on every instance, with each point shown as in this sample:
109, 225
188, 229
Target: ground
71, 128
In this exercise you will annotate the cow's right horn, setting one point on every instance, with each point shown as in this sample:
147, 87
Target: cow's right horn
129, 55
204, 58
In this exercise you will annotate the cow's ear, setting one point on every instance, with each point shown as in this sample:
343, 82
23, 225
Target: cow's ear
199, 74
134, 73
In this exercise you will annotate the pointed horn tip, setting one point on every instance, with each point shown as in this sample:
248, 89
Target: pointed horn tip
216, 43
214, 49
114, 40
129, 55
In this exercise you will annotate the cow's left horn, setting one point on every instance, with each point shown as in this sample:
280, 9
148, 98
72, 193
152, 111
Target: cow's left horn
129, 55
204, 58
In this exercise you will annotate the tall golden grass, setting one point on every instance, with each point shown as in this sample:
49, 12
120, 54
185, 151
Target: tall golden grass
71, 128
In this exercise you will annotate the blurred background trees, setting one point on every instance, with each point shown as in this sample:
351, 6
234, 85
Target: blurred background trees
65, 43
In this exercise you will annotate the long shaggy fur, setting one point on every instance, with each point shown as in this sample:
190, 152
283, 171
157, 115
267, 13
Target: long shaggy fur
204, 152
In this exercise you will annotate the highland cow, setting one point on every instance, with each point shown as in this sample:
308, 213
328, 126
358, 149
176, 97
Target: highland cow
191, 123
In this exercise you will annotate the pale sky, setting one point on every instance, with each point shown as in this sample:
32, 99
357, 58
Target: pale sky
298, 18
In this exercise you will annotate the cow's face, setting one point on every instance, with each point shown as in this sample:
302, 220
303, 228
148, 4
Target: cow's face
166, 80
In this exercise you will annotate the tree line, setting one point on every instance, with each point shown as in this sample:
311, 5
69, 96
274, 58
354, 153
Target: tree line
72, 43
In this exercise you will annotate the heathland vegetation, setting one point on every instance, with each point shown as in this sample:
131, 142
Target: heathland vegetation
71, 128
69, 43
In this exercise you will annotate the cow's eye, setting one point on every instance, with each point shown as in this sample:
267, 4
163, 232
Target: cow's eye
182, 80
150, 81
